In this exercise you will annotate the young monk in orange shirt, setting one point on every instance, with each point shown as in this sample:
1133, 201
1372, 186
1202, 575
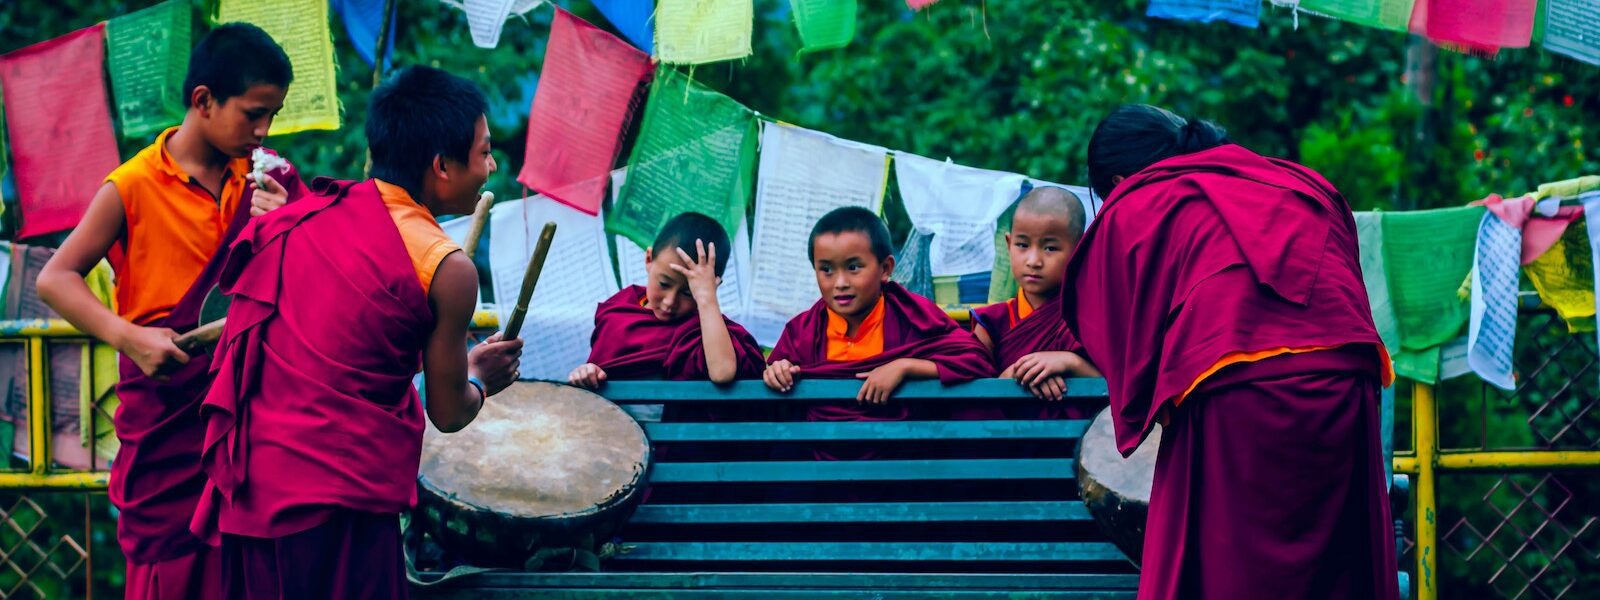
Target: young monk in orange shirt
869, 328
1030, 341
161, 219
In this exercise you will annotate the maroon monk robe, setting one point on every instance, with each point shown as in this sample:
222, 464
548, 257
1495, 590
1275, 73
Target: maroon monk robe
313, 426
630, 343
913, 327
156, 480
1200, 258
1014, 337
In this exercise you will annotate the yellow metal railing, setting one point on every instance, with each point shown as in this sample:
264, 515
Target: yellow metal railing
1425, 462
36, 337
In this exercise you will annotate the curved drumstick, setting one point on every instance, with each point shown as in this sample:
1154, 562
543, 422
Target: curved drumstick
200, 338
529, 280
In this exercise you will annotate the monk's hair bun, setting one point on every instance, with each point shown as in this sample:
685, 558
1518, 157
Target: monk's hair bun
1198, 135
1135, 136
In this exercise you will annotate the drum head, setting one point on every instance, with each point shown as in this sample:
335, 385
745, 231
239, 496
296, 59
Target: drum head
1129, 478
1115, 489
539, 450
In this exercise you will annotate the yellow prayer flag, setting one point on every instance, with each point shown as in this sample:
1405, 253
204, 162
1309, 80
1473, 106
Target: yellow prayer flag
1564, 278
702, 31
301, 28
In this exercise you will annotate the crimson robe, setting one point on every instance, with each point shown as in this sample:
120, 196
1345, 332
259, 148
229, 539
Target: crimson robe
630, 343
156, 479
1043, 330
313, 423
1268, 482
913, 327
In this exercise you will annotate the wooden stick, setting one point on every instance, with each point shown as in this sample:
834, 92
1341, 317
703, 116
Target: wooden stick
201, 338
480, 218
529, 280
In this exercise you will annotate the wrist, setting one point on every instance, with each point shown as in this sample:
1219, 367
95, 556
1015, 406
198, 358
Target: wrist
121, 334
483, 391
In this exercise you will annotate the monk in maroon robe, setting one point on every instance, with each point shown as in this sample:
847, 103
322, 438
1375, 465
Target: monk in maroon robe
164, 220
1221, 294
866, 327
314, 430
1030, 341
672, 327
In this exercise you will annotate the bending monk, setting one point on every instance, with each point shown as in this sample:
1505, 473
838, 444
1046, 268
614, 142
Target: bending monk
1221, 294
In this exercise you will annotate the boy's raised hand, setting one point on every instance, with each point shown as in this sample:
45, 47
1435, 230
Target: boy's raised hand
588, 376
780, 375
269, 196
701, 272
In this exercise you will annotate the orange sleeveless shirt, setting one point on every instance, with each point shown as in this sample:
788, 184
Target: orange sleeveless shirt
426, 242
172, 227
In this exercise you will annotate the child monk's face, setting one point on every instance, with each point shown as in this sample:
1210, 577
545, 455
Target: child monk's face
666, 291
1040, 244
849, 276
239, 125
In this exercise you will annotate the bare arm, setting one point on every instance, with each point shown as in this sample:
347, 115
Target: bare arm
452, 401
722, 363
62, 287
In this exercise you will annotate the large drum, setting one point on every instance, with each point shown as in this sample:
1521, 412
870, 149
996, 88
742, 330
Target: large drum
543, 466
1116, 489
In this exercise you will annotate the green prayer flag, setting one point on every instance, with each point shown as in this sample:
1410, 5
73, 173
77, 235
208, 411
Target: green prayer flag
1369, 231
824, 24
147, 53
1427, 255
696, 151
1393, 15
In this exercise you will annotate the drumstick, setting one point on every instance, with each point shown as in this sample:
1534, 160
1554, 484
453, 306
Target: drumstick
199, 338
529, 280
480, 218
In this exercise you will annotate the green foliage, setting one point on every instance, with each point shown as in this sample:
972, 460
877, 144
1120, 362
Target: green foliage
1020, 84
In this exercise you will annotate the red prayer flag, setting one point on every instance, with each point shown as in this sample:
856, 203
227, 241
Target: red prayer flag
60, 122
919, 4
586, 95
1476, 26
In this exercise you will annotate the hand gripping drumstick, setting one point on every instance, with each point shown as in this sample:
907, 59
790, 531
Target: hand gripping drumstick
207, 335
529, 280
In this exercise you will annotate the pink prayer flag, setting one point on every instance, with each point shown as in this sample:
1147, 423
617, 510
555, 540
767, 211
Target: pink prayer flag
60, 123
1476, 26
919, 4
587, 94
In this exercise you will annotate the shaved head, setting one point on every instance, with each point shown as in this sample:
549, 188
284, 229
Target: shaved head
1051, 201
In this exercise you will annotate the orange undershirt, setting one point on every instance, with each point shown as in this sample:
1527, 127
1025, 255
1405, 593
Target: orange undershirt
172, 227
866, 343
425, 241
1235, 358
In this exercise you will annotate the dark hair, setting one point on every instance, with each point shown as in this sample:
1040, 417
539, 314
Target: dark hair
852, 218
1049, 199
233, 57
684, 229
417, 114
1136, 136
